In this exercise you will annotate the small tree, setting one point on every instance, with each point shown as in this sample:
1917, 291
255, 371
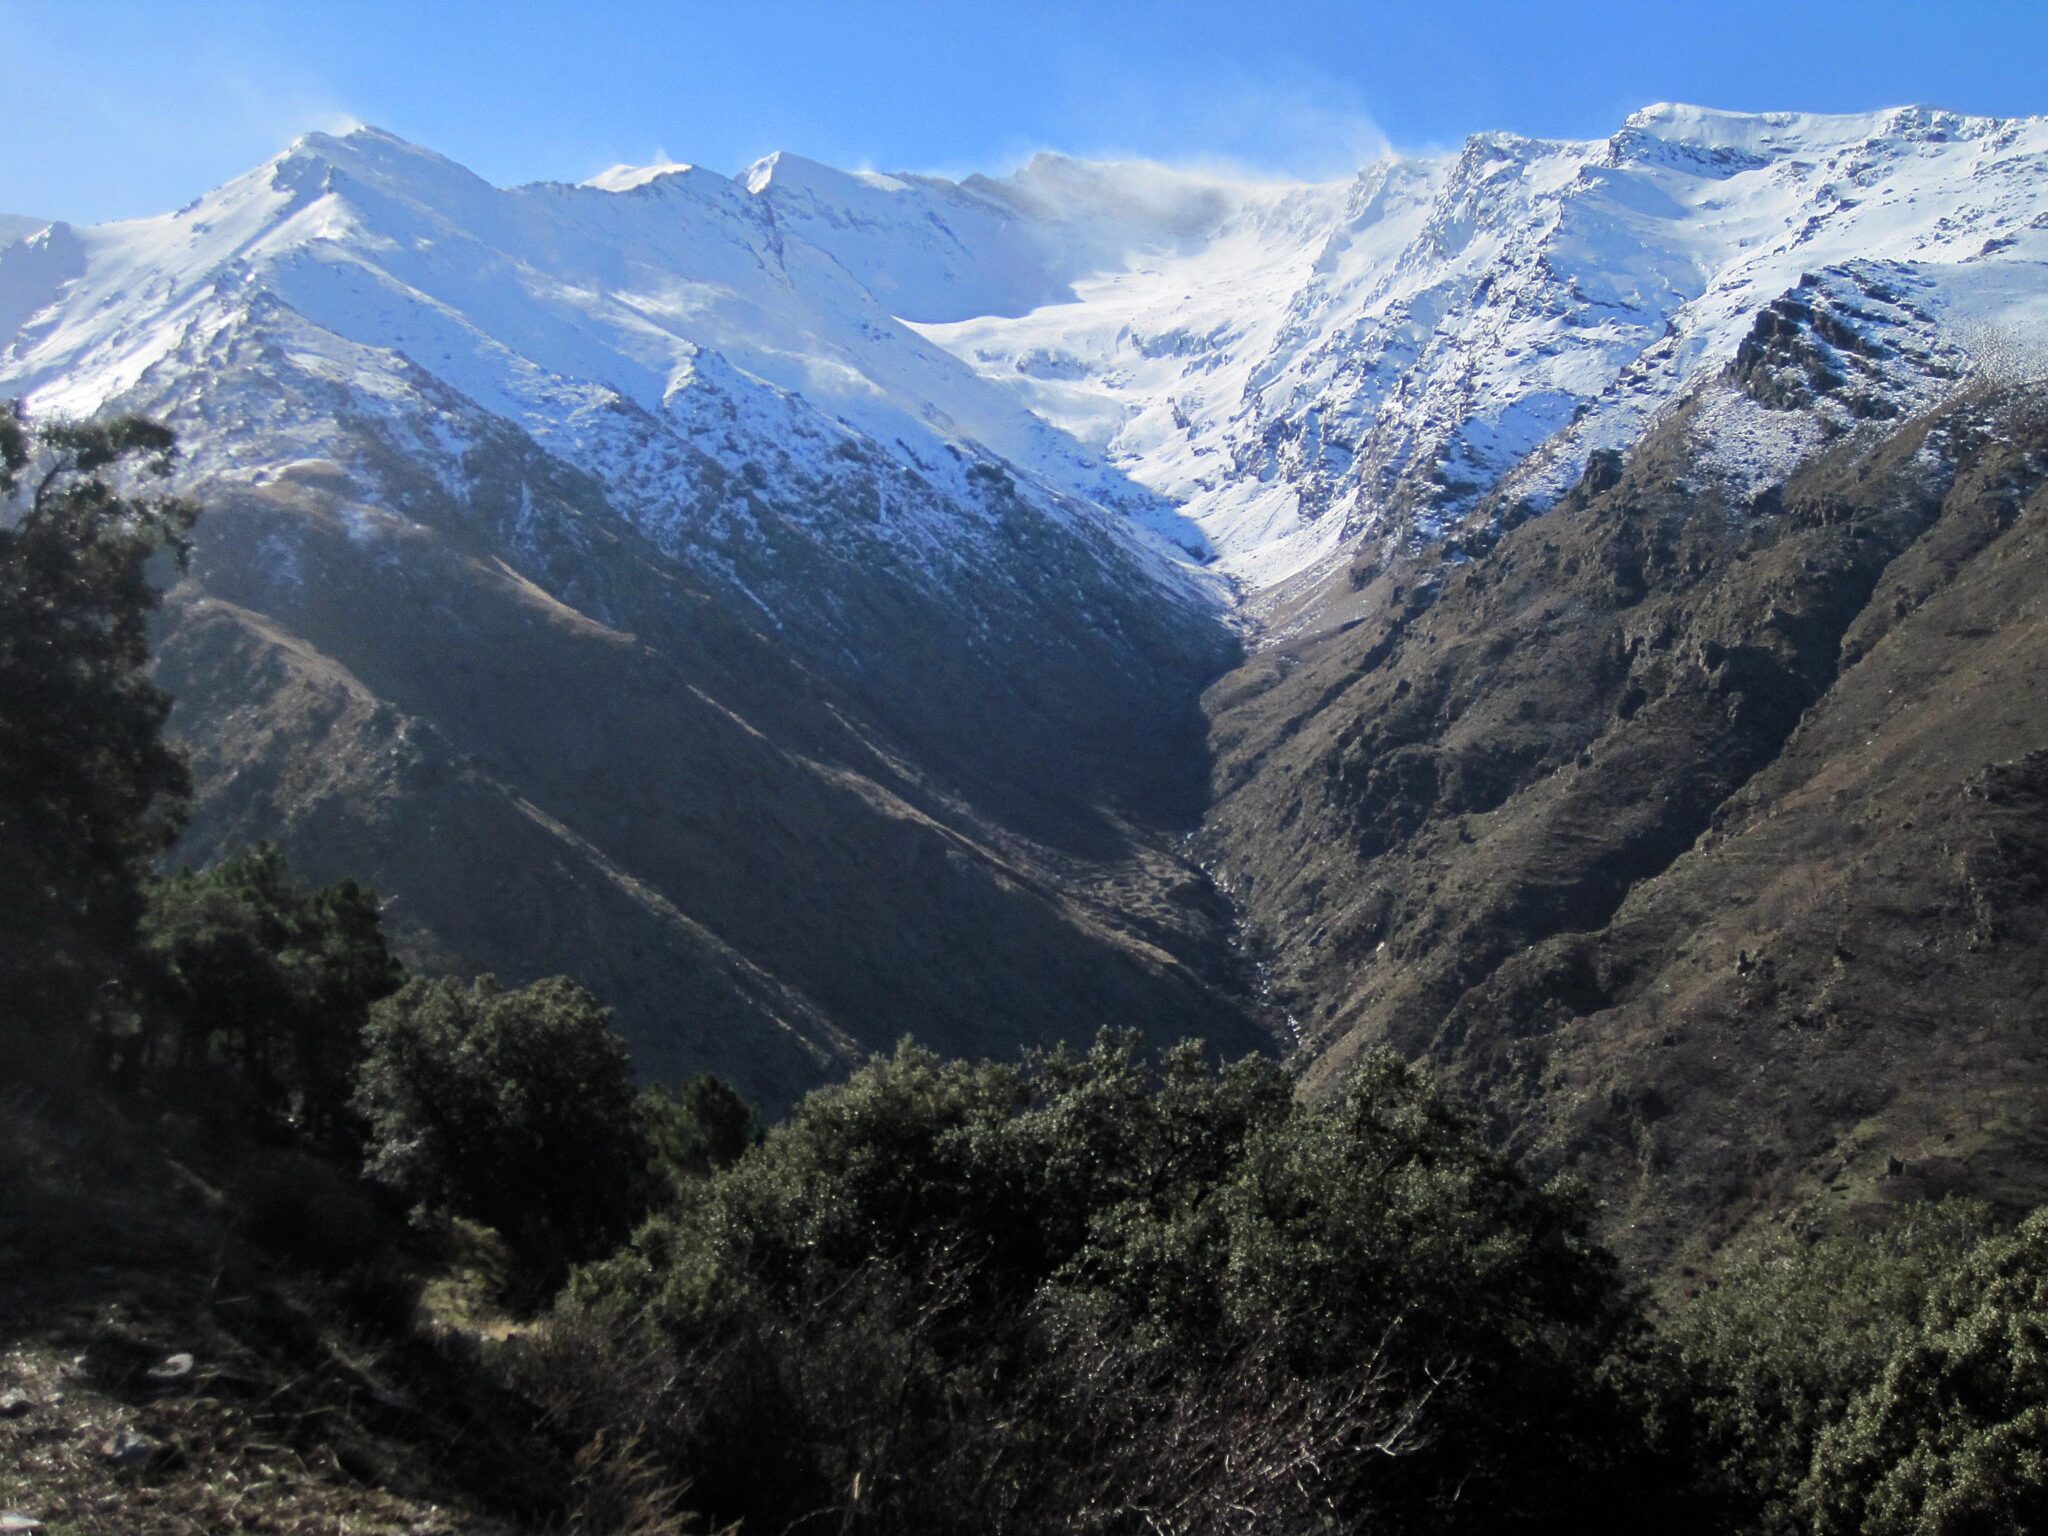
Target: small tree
272, 978
90, 793
514, 1107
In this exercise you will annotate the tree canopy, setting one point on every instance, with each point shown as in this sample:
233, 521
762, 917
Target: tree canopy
512, 1106
1105, 1291
271, 978
90, 793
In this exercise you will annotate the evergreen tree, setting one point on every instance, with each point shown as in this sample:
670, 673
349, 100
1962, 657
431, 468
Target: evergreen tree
515, 1107
90, 792
273, 979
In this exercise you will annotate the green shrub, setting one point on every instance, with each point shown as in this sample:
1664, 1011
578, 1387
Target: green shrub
703, 1128
1117, 1293
1768, 1366
1952, 1437
512, 1107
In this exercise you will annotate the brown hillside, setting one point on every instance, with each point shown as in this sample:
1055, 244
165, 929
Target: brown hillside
1702, 842
555, 748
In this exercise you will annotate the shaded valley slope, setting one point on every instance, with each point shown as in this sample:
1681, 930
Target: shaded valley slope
558, 750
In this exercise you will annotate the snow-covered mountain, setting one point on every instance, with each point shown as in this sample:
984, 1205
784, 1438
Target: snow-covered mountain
787, 600
1266, 374
1300, 368
605, 575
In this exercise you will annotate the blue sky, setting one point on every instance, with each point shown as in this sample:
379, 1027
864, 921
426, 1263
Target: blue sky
110, 109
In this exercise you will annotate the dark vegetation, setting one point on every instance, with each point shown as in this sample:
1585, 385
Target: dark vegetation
89, 790
262, 983
285, 1228
1108, 1291
514, 1108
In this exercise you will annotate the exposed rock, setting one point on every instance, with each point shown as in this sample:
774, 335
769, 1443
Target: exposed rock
1670, 802
125, 1448
171, 1368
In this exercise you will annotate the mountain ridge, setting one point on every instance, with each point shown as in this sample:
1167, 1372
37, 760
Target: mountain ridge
1186, 350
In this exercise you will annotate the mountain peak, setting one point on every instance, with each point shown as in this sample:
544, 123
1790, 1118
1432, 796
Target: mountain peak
630, 178
357, 140
374, 154
16, 226
788, 172
371, 161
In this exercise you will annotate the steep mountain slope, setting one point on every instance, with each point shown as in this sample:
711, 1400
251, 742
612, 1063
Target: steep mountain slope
600, 651
702, 831
1695, 831
14, 226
